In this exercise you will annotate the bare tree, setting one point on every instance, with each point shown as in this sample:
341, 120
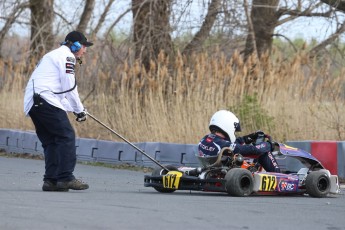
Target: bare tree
203, 33
262, 22
10, 19
321, 46
116, 21
42, 15
223, 22
338, 5
266, 15
85, 17
102, 19
151, 29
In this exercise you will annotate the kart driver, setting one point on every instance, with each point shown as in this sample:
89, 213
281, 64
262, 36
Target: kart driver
223, 126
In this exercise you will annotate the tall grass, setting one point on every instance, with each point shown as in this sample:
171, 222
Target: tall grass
294, 99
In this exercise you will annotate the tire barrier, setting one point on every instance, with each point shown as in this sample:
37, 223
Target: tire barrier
91, 150
327, 153
330, 153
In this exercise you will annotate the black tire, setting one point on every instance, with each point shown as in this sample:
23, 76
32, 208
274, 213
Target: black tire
239, 182
161, 172
318, 184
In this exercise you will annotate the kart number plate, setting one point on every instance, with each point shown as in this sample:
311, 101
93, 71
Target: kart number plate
268, 182
172, 179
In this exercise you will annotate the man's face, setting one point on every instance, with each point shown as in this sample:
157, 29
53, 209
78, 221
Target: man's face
81, 52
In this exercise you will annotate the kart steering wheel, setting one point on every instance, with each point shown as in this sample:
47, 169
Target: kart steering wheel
262, 137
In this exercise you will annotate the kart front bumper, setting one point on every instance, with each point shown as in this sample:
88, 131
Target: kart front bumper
188, 183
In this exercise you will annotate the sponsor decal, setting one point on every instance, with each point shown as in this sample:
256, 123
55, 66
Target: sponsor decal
267, 182
262, 145
232, 146
286, 186
70, 59
291, 178
209, 139
273, 160
289, 147
69, 66
208, 148
172, 179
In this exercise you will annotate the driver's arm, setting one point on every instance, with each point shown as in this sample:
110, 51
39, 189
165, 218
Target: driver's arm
262, 148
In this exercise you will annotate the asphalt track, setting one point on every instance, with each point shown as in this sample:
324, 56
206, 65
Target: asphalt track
117, 199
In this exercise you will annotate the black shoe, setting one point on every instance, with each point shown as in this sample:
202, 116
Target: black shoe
49, 186
73, 184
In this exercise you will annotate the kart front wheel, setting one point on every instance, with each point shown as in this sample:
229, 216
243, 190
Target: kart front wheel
318, 184
239, 182
161, 172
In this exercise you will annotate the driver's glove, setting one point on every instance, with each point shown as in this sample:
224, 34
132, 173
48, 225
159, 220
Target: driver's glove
80, 116
250, 138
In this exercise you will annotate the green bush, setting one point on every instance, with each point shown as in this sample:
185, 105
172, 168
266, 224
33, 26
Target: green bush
252, 116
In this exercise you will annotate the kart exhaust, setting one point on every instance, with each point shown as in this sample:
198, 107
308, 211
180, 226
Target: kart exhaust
141, 151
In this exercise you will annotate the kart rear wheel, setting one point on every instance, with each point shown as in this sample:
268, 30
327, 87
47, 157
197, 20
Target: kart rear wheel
161, 172
318, 184
239, 182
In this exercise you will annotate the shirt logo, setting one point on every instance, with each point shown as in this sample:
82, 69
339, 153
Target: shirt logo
70, 59
209, 139
207, 148
69, 66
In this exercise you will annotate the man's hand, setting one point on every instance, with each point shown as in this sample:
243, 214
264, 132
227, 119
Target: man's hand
250, 138
80, 116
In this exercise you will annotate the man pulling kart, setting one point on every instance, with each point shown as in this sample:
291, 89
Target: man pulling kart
223, 168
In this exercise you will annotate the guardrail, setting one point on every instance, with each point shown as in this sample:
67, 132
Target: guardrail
17, 141
330, 153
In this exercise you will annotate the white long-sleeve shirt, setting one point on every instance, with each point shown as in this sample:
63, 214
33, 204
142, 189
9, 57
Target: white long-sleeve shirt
54, 73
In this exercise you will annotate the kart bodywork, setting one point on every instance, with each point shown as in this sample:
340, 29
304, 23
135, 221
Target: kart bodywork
301, 173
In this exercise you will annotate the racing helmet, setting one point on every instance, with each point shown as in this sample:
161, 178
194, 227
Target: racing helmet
227, 122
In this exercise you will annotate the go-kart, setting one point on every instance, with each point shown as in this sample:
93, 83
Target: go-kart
301, 173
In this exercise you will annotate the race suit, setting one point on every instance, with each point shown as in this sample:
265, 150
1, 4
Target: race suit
211, 145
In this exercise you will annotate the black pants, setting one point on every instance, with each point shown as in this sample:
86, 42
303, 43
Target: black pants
56, 133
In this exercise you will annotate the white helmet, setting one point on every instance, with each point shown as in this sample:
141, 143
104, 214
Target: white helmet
227, 122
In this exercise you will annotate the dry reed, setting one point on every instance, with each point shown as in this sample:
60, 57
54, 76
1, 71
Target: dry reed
174, 101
